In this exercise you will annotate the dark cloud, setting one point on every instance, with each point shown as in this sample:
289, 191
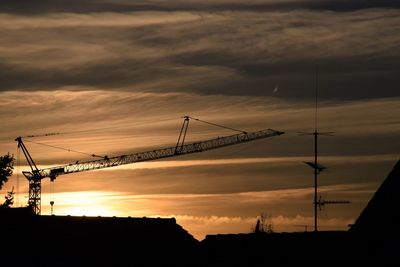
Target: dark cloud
348, 83
89, 6
228, 53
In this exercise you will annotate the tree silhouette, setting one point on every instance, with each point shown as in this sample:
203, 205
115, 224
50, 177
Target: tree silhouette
263, 225
9, 199
6, 168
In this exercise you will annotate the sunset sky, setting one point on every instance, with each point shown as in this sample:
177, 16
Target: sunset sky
116, 76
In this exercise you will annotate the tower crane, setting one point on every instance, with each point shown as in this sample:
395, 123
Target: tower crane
36, 175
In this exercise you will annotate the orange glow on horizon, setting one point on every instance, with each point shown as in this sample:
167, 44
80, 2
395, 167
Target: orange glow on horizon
119, 204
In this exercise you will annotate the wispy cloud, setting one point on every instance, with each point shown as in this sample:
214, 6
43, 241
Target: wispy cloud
200, 204
155, 120
107, 19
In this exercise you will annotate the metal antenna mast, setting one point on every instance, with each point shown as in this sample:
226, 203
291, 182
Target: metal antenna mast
317, 167
319, 203
316, 152
316, 171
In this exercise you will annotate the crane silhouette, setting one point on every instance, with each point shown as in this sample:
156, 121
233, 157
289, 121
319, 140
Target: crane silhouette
36, 175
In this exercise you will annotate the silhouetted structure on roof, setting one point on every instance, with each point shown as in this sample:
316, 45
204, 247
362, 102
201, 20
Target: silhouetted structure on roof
372, 240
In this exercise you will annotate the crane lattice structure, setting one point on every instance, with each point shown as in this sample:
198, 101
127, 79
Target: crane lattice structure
36, 175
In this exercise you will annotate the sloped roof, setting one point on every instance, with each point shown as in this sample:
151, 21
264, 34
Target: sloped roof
383, 210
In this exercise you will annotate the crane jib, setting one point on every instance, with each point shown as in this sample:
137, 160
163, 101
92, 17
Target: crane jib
159, 153
35, 175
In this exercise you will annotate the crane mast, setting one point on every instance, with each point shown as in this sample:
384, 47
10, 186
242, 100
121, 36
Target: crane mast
36, 175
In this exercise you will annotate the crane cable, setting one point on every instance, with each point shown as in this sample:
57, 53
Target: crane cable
218, 125
97, 129
41, 135
229, 128
65, 149
94, 155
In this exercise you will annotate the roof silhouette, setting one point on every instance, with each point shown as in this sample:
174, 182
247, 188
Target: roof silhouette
32, 240
382, 212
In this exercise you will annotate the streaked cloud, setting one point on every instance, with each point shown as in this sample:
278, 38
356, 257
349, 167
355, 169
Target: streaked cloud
96, 122
233, 219
107, 19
